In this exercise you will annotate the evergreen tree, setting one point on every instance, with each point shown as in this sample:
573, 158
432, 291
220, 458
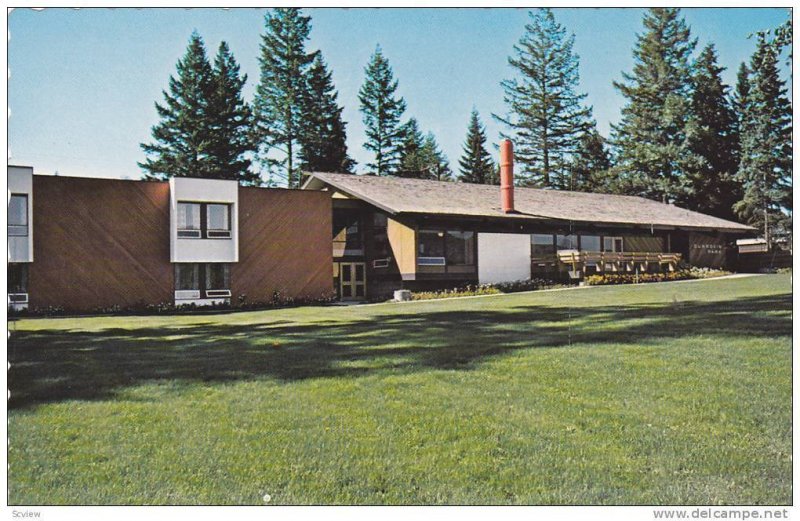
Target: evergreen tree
433, 161
713, 139
323, 136
283, 87
476, 163
765, 167
182, 137
410, 162
739, 101
381, 112
545, 114
230, 119
651, 139
589, 169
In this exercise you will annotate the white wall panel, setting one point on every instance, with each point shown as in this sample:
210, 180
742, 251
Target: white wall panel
20, 181
503, 257
204, 191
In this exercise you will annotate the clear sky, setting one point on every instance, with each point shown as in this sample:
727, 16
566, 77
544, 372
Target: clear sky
83, 83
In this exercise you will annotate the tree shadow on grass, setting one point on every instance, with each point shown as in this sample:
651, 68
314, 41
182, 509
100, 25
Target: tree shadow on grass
56, 365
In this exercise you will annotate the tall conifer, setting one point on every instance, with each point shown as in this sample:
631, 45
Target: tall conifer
282, 90
182, 137
381, 112
323, 136
653, 154
476, 164
545, 115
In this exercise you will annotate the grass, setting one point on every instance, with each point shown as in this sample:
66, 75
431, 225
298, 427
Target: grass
674, 393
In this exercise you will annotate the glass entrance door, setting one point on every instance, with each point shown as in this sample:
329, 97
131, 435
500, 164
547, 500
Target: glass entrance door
352, 280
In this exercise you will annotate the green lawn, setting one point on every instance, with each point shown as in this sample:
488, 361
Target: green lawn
660, 393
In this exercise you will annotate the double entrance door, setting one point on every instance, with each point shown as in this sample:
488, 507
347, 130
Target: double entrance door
352, 280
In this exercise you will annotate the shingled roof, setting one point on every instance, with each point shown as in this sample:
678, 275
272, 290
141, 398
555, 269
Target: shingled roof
416, 196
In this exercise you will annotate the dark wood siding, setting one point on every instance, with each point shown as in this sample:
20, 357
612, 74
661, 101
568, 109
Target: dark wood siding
284, 245
99, 243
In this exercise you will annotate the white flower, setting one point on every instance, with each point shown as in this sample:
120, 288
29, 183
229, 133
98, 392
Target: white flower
267, 498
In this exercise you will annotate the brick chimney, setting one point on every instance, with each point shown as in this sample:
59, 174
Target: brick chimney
507, 176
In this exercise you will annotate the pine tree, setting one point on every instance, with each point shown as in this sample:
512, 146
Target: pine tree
230, 119
323, 136
545, 114
410, 161
181, 138
589, 169
433, 161
765, 168
381, 112
651, 140
714, 140
283, 87
739, 102
476, 163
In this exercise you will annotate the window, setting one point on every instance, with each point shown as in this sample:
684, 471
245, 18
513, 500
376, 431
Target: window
380, 235
217, 277
566, 242
189, 220
204, 220
542, 244
17, 278
194, 281
218, 217
460, 248
187, 277
18, 215
590, 243
451, 248
431, 243
612, 244
347, 238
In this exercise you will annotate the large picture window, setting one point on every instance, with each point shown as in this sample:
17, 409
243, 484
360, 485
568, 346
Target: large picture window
460, 248
566, 242
450, 248
431, 243
590, 243
542, 244
18, 215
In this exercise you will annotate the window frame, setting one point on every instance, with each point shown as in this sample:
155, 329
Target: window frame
204, 232
202, 270
26, 224
443, 260
24, 277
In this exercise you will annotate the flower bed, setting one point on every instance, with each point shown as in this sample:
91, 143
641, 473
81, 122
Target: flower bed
487, 289
608, 279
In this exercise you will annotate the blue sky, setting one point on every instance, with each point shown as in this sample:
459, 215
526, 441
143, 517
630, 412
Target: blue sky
83, 83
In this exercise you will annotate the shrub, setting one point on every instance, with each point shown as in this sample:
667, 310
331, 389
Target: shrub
607, 279
486, 289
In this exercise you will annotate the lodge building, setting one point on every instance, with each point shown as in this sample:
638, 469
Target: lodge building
85, 244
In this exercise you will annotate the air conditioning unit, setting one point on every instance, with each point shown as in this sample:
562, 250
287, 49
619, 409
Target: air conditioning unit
431, 261
187, 294
189, 234
216, 293
380, 263
17, 298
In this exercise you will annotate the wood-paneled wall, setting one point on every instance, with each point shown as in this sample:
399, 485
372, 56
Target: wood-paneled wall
284, 245
99, 243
